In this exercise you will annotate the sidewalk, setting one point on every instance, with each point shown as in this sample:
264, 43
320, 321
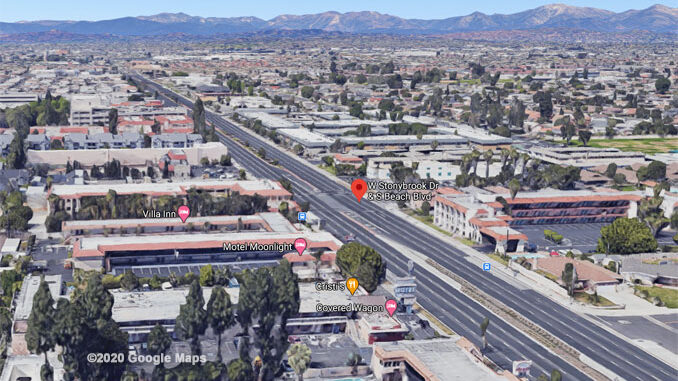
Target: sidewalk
634, 304
625, 295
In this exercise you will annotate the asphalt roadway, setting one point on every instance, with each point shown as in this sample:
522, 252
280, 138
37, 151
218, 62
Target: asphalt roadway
453, 308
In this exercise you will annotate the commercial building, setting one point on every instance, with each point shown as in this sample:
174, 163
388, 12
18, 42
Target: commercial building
71, 195
431, 360
563, 207
586, 157
16, 99
138, 312
477, 214
137, 157
589, 275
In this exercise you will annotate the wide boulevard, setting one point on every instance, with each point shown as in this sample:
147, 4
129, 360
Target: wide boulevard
340, 211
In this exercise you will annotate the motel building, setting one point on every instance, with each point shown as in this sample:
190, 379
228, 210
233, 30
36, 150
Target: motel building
70, 196
97, 252
479, 216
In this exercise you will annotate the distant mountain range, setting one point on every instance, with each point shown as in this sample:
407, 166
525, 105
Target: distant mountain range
657, 18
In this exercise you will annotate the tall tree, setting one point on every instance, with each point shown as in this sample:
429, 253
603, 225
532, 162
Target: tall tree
39, 335
192, 319
198, 117
483, 331
16, 158
113, 121
159, 341
514, 187
219, 314
487, 155
268, 298
584, 136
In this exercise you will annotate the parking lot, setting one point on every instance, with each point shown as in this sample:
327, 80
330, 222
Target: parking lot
55, 255
583, 237
184, 268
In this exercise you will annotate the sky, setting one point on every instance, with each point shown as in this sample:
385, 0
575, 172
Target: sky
18, 10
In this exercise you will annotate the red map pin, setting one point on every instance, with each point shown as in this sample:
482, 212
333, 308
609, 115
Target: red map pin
184, 211
359, 188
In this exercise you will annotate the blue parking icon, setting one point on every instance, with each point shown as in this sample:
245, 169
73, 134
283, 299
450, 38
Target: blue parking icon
301, 216
487, 266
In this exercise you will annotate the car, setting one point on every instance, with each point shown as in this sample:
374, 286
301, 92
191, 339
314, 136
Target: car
293, 339
349, 238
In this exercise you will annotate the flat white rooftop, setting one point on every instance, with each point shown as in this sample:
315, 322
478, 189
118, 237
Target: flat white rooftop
444, 358
164, 188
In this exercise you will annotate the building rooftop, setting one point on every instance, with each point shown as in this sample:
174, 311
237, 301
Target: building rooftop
29, 287
99, 246
250, 187
439, 359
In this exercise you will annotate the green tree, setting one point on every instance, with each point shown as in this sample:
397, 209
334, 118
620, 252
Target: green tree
354, 360
656, 170
129, 281
206, 276
307, 91
16, 158
192, 319
39, 335
585, 136
159, 341
483, 331
569, 278
225, 161
514, 187
626, 236
611, 170
268, 298
299, 357
85, 326
219, 314
113, 121
674, 220
556, 375
199, 117
650, 212
240, 370
362, 262
662, 85
543, 98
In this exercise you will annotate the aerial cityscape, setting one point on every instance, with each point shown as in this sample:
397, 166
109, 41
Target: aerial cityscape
307, 192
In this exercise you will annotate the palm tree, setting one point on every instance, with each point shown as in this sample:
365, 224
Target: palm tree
487, 155
504, 157
483, 331
299, 357
354, 359
475, 155
514, 187
317, 255
514, 156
